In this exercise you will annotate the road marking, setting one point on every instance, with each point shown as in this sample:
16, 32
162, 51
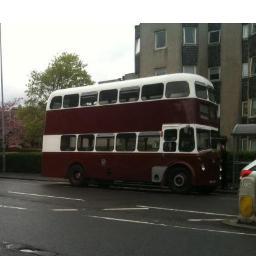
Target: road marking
65, 210
187, 211
12, 207
170, 226
126, 209
198, 220
47, 196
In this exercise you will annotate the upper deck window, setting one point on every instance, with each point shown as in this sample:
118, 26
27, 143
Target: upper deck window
108, 97
71, 101
201, 91
129, 94
152, 91
56, 102
89, 98
177, 89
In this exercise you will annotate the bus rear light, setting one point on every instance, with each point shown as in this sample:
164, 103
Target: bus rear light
245, 173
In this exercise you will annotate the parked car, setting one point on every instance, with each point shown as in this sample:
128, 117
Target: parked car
249, 170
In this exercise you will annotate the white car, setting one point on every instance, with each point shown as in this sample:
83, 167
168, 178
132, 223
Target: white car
249, 170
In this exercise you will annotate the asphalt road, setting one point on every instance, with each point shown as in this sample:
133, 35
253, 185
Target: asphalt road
63, 220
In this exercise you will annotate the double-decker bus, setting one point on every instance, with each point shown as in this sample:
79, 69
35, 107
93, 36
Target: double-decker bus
154, 130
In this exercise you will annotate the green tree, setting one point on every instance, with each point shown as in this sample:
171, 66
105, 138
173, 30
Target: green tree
64, 71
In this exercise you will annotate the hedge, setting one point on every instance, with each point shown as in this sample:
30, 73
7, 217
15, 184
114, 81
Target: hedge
29, 162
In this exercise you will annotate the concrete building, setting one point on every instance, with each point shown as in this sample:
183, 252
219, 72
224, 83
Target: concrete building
224, 53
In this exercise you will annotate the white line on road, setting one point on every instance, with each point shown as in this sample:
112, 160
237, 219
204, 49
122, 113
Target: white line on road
170, 226
199, 220
12, 207
47, 196
65, 210
126, 209
187, 211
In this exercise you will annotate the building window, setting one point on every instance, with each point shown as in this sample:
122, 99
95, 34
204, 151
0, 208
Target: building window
214, 37
245, 31
214, 74
253, 107
244, 108
189, 35
160, 39
253, 28
245, 70
160, 71
189, 69
253, 66
244, 143
68, 143
137, 46
253, 144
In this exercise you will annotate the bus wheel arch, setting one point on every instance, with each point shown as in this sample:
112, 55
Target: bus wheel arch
179, 178
76, 175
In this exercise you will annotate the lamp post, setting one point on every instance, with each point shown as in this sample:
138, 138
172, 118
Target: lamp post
2, 94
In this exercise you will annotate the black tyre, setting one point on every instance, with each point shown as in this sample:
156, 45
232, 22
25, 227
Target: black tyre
180, 180
76, 175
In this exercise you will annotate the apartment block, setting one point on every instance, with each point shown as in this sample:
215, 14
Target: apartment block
223, 53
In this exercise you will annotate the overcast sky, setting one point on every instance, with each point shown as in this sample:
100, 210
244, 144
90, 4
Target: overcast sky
100, 32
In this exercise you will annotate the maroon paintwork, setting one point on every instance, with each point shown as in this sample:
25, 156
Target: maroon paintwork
142, 116
146, 116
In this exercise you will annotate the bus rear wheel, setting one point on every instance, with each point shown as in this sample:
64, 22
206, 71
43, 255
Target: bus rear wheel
180, 180
76, 175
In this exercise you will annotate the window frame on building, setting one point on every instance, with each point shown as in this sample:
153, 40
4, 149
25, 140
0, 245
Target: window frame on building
160, 71
209, 73
245, 108
245, 70
252, 107
156, 39
253, 28
137, 46
184, 67
185, 37
209, 37
253, 66
245, 31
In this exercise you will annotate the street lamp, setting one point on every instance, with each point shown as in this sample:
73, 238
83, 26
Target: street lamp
2, 94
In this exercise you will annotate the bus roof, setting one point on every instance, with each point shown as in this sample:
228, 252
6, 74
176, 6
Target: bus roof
134, 82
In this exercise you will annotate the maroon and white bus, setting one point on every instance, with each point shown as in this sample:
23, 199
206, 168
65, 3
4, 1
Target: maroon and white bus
155, 130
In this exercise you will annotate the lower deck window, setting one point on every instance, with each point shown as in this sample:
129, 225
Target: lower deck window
85, 143
126, 142
203, 139
105, 143
187, 140
148, 142
68, 143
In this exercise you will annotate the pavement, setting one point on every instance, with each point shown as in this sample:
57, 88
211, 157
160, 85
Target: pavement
37, 176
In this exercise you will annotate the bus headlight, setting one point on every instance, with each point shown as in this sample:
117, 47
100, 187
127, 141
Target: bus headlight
203, 167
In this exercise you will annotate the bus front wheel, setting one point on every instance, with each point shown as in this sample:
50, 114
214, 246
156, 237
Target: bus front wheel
180, 180
76, 175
